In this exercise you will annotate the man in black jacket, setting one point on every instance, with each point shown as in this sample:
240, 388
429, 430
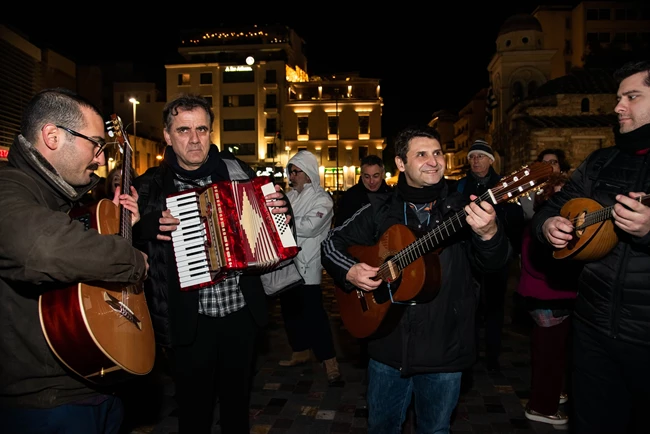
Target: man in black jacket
494, 285
212, 330
371, 181
433, 341
611, 356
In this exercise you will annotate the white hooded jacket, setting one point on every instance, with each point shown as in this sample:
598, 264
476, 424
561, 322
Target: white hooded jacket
313, 209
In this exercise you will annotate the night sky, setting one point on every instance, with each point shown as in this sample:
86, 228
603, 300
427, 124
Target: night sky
426, 58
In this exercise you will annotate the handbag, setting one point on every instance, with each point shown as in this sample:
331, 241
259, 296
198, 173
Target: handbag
283, 278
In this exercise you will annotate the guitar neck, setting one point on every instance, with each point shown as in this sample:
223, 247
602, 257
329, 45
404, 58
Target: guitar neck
509, 188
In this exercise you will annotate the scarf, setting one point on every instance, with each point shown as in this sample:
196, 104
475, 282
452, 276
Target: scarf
209, 167
419, 195
634, 141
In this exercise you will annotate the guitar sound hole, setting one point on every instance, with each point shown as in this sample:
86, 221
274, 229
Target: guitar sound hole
382, 293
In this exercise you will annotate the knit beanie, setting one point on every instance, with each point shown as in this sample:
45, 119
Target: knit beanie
481, 147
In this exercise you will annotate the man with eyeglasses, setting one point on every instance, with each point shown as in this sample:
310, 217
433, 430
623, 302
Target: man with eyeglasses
51, 167
480, 178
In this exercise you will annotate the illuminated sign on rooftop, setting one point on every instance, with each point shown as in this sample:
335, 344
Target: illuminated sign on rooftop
238, 68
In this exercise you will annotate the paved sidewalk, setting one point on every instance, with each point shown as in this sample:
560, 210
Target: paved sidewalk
298, 399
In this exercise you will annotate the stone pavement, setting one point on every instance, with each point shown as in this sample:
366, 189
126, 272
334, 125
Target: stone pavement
298, 399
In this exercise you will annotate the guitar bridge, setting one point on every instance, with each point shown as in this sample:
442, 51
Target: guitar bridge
122, 309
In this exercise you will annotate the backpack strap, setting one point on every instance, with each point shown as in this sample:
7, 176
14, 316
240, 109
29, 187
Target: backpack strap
235, 171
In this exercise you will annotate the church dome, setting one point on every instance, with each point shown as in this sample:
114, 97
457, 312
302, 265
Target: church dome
520, 22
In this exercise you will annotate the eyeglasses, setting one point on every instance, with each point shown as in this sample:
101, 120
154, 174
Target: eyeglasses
477, 157
99, 143
295, 172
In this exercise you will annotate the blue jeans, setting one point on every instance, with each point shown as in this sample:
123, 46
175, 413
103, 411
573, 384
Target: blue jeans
389, 396
104, 418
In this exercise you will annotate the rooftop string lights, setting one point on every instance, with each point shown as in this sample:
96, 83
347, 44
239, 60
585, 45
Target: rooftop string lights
244, 37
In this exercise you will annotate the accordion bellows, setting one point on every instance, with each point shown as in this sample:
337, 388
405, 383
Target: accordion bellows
227, 228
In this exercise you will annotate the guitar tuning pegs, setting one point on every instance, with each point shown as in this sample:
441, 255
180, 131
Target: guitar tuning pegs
111, 133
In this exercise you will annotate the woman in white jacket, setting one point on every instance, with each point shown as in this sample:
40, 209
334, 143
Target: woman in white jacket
306, 322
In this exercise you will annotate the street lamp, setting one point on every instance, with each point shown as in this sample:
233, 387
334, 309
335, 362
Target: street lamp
135, 102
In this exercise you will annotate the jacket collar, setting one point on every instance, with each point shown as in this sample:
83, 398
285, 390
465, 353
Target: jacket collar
26, 157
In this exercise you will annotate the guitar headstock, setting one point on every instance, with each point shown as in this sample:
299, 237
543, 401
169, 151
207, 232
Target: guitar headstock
524, 181
115, 128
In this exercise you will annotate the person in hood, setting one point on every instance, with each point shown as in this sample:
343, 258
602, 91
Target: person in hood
611, 319
209, 334
305, 319
423, 348
50, 169
371, 181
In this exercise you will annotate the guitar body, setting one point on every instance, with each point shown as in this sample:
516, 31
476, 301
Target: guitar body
374, 313
591, 242
100, 331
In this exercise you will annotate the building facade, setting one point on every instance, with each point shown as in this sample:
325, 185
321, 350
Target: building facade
338, 119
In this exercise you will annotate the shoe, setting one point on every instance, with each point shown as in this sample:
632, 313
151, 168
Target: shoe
559, 418
297, 358
332, 368
563, 398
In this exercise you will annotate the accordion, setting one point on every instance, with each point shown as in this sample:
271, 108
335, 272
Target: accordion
227, 228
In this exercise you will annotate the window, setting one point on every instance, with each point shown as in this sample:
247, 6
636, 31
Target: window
148, 160
137, 161
604, 37
271, 76
619, 14
302, 148
241, 148
567, 47
364, 122
303, 125
209, 99
206, 78
517, 92
270, 150
239, 77
271, 101
333, 124
183, 79
584, 105
239, 100
532, 87
239, 124
148, 98
363, 152
271, 126
332, 152
121, 98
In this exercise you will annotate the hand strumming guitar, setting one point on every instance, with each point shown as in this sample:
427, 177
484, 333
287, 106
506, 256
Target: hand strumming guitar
361, 275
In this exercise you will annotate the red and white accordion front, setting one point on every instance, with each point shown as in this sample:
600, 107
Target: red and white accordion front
227, 228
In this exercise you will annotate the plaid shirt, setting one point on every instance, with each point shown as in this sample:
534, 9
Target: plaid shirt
225, 297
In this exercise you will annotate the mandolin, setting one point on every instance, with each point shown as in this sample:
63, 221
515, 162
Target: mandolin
593, 234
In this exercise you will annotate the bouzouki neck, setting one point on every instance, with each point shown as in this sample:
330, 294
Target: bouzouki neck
606, 213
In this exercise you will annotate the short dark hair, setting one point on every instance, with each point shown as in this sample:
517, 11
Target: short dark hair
631, 68
561, 158
185, 101
372, 160
58, 106
405, 136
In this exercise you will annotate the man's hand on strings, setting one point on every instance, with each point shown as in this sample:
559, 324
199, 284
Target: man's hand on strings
631, 215
168, 224
277, 203
128, 201
482, 218
361, 275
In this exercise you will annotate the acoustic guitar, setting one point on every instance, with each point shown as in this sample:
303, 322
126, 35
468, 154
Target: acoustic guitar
409, 266
593, 229
102, 331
